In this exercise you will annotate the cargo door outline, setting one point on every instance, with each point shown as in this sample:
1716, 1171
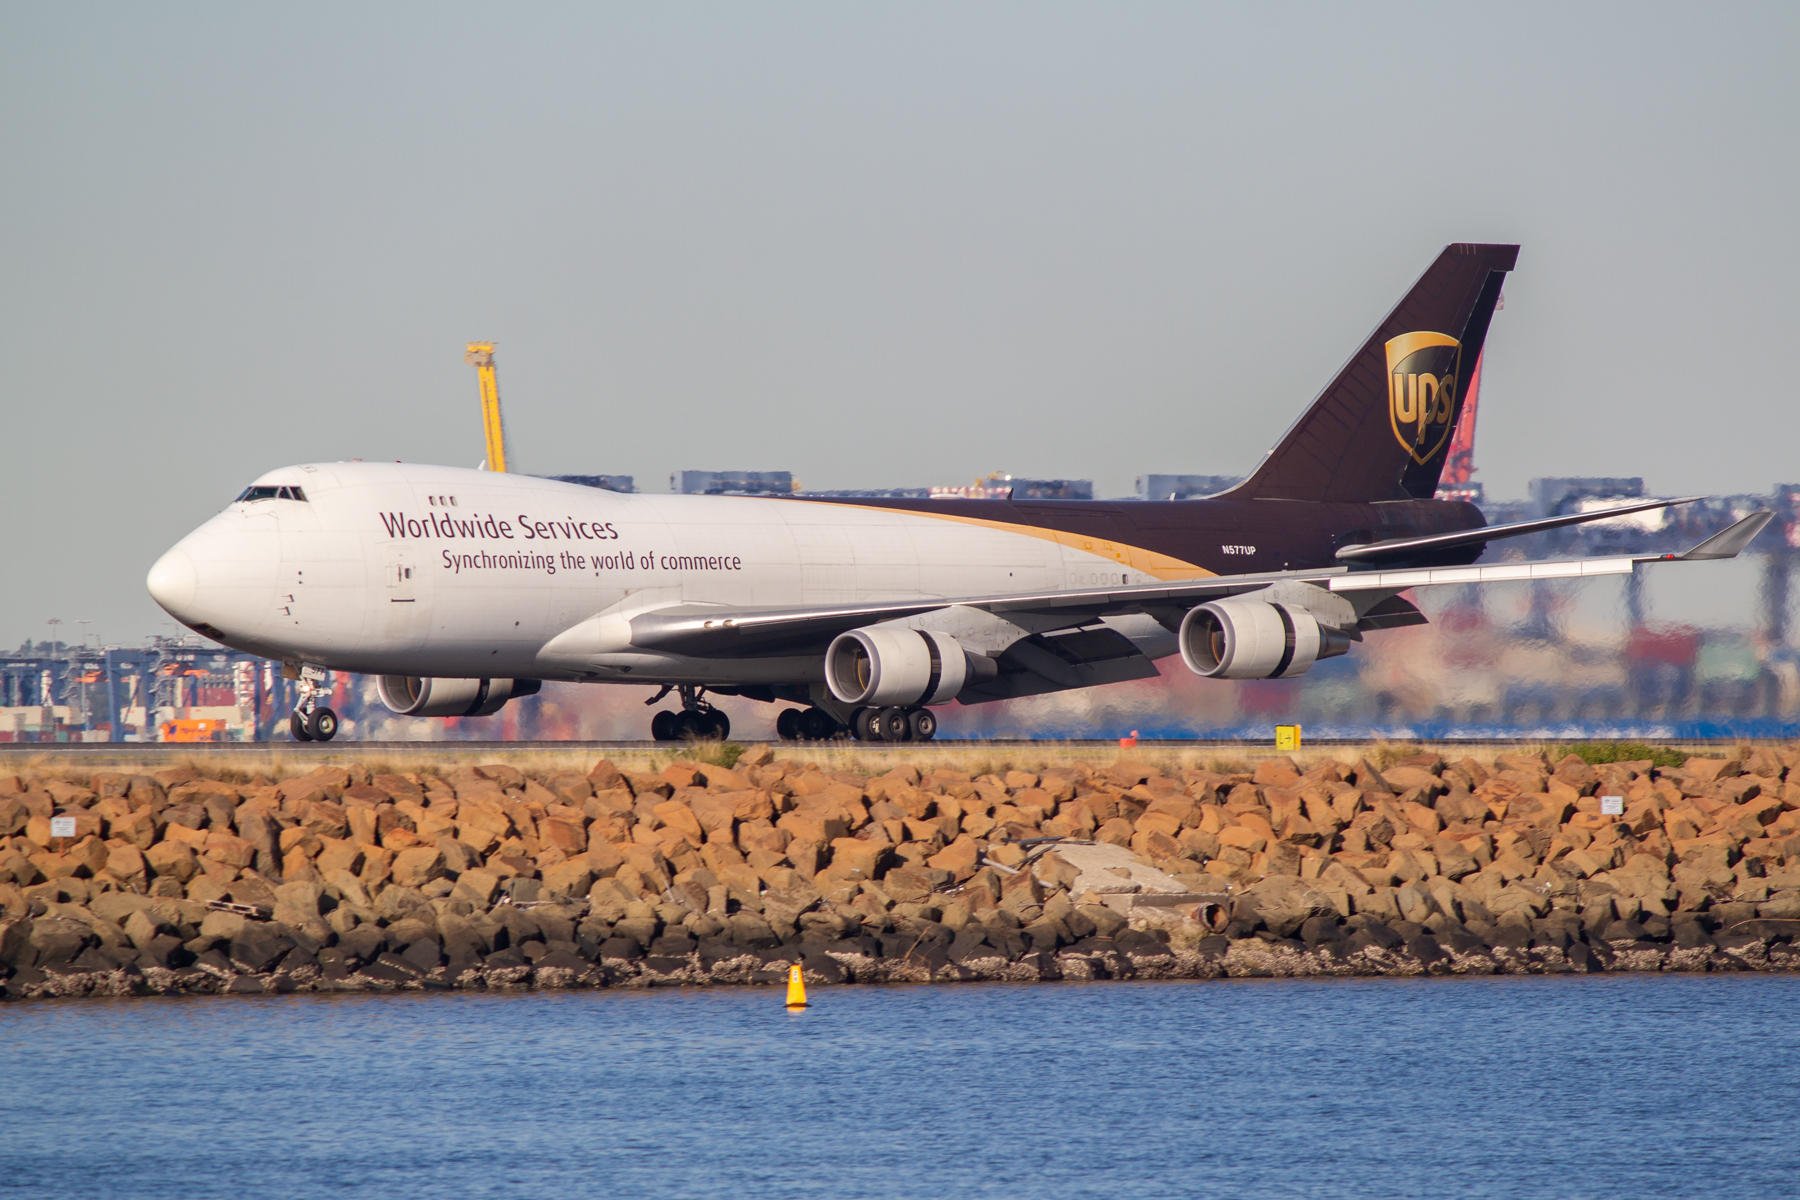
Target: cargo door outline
404, 623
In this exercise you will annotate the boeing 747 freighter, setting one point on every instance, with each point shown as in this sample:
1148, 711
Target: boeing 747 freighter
464, 589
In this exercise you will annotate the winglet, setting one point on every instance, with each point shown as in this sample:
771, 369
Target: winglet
1727, 543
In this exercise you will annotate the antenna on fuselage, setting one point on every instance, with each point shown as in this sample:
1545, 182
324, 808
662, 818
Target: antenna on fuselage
481, 355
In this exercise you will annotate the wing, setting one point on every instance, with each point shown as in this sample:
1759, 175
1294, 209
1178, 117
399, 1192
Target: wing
1403, 548
713, 630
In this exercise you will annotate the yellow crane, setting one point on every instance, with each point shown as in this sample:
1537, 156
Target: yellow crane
481, 355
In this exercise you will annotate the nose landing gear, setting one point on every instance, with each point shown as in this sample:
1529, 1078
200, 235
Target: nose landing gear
312, 721
697, 721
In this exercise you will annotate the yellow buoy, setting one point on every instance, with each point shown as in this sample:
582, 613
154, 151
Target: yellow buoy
796, 988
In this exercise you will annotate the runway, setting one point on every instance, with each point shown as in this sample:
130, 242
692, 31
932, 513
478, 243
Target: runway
291, 755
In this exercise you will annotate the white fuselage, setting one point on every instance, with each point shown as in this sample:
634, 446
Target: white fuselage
402, 569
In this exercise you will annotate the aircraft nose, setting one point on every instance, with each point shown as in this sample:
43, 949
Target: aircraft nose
173, 583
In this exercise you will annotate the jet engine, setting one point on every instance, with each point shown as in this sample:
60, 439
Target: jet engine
1242, 638
881, 666
412, 696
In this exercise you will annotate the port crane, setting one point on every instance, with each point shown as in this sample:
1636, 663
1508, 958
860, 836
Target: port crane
481, 356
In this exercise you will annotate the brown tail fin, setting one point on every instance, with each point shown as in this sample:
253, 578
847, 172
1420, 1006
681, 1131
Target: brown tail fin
1381, 429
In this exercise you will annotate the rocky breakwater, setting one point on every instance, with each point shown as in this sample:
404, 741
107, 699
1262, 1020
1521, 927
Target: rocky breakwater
487, 877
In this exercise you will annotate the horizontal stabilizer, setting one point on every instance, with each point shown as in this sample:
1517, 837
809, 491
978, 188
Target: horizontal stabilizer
1411, 547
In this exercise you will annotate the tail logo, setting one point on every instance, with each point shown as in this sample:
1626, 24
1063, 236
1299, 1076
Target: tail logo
1422, 370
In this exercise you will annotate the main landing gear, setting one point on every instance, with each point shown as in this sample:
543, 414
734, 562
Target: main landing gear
807, 725
866, 725
312, 721
894, 724
696, 722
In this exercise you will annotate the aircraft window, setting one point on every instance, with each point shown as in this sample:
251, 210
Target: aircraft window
271, 493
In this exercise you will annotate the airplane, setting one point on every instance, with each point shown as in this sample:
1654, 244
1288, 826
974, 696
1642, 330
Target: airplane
463, 589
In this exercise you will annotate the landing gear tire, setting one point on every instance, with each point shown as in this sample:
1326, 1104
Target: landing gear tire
891, 725
787, 725
924, 725
701, 725
817, 725
862, 724
297, 728
322, 726
662, 725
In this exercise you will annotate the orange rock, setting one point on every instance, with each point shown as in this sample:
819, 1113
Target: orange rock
175, 859
605, 776
1424, 819
378, 863
1707, 769
1158, 822
724, 779
233, 851
1158, 845
325, 818
1116, 832
1276, 772
567, 836
1244, 838
816, 828
1256, 823
124, 861
857, 854
337, 855
675, 814
610, 801
760, 835
715, 812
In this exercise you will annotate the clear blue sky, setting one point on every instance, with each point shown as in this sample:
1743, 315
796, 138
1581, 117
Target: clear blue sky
883, 245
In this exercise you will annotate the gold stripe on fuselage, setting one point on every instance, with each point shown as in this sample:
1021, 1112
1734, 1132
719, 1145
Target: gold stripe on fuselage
1157, 566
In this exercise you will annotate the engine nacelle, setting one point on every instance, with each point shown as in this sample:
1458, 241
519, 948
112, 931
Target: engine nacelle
412, 696
1242, 638
880, 666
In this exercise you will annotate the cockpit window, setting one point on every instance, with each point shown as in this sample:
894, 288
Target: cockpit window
271, 493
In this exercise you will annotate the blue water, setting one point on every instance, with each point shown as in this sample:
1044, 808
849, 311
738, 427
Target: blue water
1521, 1087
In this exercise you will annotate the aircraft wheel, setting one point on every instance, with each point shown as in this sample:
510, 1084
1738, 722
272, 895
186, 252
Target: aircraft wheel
817, 725
924, 725
787, 725
322, 725
860, 725
297, 727
893, 725
689, 726
662, 726
718, 725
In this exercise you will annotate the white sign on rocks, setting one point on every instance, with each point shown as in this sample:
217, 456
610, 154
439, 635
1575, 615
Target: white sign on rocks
1612, 806
62, 826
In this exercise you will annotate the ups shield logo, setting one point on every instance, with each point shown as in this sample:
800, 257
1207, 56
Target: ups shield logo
1422, 371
